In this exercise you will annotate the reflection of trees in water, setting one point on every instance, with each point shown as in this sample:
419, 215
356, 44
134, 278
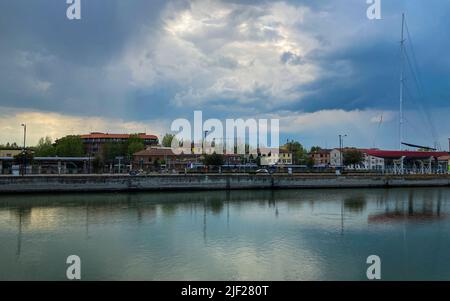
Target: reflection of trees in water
215, 205
355, 204
168, 209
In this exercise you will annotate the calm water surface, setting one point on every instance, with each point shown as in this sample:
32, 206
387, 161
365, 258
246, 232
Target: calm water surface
237, 235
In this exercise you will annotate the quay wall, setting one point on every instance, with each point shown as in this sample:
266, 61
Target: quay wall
104, 183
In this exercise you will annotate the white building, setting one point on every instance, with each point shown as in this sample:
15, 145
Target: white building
335, 158
369, 163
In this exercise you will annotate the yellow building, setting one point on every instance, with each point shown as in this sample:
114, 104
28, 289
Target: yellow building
285, 157
9, 152
275, 156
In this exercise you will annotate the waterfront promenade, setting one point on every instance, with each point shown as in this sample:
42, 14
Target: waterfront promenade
172, 182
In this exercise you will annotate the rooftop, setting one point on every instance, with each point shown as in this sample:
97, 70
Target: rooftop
98, 135
394, 154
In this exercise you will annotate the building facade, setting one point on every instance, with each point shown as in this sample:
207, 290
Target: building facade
369, 162
155, 158
321, 158
10, 152
94, 142
335, 158
270, 157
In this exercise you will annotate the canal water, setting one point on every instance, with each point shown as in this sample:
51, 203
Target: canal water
228, 235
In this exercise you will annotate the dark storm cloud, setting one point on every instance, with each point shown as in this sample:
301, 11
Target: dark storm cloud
50, 63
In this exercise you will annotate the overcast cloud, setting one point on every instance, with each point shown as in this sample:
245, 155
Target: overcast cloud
320, 66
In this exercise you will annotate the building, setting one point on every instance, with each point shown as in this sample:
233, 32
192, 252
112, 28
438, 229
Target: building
7, 155
285, 157
154, 158
445, 162
321, 158
398, 162
9, 152
335, 157
95, 142
410, 162
372, 162
270, 156
369, 162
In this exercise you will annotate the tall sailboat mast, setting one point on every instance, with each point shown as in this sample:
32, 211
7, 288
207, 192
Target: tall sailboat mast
402, 78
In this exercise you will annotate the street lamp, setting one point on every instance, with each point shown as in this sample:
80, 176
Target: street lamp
204, 140
341, 146
24, 148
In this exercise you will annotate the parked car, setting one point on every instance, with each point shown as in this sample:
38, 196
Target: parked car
262, 171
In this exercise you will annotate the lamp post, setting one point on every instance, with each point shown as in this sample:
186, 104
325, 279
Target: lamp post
24, 148
341, 147
204, 140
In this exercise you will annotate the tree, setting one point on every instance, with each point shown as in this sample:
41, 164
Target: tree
111, 150
310, 162
167, 140
45, 148
258, 160
9, 145
213, 160
97, 164
70, 146
135, 147
27, 155
25, 158
315, 149
299, 153
353, 157
134, 144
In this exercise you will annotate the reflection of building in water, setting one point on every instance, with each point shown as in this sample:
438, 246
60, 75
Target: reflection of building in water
423, 209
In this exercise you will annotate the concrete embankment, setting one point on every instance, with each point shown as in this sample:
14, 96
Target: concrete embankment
90, 183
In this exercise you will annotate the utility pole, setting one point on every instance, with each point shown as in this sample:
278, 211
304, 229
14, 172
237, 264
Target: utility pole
24, 148
341, 149
402, 79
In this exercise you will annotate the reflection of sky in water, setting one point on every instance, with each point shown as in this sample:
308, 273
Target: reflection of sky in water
237, 235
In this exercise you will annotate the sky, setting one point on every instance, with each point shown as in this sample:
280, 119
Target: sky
319, 66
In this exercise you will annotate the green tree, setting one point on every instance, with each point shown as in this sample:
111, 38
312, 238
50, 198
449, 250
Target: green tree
310, 162
9, 145
353, 157
111, 150
97, 164
45, 148
213, 160
315, 149
134, 144
258, 160
167, 140
24, 158
299, 153
135, 147
70, 146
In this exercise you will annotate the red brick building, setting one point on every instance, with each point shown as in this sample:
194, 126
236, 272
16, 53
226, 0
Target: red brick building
321, 157
94, 142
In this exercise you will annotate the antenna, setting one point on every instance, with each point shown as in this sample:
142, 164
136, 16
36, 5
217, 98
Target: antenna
402, 45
